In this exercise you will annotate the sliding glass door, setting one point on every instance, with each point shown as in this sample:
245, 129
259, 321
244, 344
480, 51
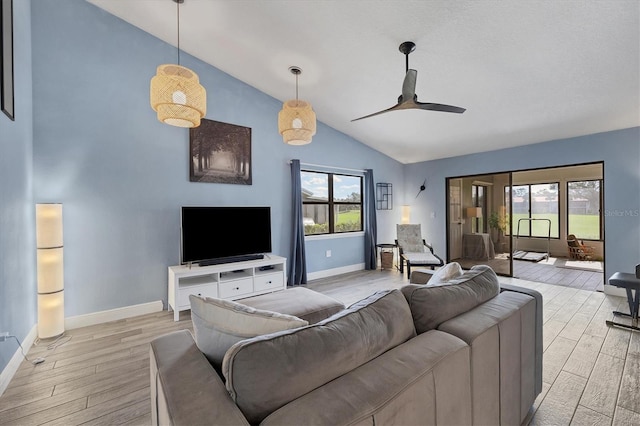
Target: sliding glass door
478, 222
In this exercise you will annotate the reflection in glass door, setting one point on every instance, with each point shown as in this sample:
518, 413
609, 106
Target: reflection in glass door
455, 219
478, 222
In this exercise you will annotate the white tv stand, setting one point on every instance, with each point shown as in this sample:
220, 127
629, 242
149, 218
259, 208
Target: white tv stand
231, 281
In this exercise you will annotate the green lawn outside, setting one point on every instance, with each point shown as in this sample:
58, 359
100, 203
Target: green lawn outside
581, 225
351, 216
345, 222
584, 226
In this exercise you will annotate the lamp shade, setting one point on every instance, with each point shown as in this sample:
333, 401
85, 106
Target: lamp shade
177, 96
48, 225
50, 314
474, 211
406, 215
50, 270
297, 122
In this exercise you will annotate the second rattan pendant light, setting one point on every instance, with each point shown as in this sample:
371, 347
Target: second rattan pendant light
176, 93
296, 120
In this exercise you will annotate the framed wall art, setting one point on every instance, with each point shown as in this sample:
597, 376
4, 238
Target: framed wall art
6, 58
220, 153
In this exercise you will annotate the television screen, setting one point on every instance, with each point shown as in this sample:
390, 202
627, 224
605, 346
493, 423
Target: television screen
224, 234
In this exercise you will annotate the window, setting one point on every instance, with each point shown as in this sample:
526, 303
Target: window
479, 199
331, 203
583, 212
539, 201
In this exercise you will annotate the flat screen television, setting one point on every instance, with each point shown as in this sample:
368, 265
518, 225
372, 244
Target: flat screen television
213, 235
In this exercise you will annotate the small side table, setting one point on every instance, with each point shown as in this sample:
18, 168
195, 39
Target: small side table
386, 254
631, 283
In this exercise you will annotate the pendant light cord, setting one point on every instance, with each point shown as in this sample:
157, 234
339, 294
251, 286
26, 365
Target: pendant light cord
297, 74
178, 7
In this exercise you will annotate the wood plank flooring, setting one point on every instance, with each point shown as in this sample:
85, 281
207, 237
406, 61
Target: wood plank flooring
101, 375
552, 274
550, 271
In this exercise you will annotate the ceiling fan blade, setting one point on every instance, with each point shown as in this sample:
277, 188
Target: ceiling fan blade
397, 106
408, 98
440, 107
409, 85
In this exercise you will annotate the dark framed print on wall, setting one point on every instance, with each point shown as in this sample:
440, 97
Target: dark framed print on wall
220, 153
6, 58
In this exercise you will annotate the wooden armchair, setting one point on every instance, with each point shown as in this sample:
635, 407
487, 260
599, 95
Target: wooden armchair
578, 250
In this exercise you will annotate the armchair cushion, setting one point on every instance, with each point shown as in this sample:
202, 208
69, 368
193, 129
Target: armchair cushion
410, 238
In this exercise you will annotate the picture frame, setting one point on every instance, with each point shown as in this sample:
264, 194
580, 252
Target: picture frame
220, 153
6, 59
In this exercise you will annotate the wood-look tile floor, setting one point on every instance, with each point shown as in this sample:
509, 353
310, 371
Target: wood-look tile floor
101, 376
552, 271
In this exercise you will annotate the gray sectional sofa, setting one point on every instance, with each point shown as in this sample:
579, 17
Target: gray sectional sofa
463, 352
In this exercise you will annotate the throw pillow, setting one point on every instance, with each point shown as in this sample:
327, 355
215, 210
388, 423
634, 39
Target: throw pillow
447, 273
218, 324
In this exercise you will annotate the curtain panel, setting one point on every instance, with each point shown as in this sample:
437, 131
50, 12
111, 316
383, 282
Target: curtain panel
370, 222
297, 260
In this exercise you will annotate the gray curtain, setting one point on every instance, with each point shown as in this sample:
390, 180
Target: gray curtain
370, 224
297, 260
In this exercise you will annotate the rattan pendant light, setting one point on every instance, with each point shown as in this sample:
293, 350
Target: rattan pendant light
176, 93
296, 120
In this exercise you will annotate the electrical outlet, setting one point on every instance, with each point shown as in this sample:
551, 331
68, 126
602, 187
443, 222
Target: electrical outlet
328, 253
3, 336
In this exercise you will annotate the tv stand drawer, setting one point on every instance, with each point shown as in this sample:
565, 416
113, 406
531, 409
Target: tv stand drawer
210, 290
232, 289
268, 282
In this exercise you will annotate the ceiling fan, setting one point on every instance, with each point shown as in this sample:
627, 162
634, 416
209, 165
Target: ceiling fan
408, 99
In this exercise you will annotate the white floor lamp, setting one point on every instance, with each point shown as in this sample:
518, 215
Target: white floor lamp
50, 270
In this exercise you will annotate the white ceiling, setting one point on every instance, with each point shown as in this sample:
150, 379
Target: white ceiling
527, 71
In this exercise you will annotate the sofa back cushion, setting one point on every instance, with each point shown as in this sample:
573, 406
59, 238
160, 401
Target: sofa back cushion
218, 324
432, 305
266, 372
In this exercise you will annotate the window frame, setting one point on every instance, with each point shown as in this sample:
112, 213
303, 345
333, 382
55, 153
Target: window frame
331, 203
600, 211
509, 203
475, 189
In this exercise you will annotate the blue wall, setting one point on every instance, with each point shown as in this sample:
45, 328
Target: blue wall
122, 175
17, 238
620, 151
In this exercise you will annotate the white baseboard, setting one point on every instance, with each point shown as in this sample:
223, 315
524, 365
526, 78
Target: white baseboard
335, 271
112, 315
14, 363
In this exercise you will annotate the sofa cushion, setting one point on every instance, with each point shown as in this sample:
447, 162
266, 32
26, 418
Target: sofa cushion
218, 324
424, 381
266, 372
434, 304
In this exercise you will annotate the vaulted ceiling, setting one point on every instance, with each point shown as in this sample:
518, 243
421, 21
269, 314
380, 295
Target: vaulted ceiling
526, 71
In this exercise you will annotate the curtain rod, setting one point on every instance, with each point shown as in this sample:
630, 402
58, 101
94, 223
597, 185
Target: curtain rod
330, 167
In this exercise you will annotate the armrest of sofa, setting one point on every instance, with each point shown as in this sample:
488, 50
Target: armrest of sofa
185, 389
538, 297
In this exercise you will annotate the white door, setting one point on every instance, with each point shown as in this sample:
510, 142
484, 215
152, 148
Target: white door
455, 219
